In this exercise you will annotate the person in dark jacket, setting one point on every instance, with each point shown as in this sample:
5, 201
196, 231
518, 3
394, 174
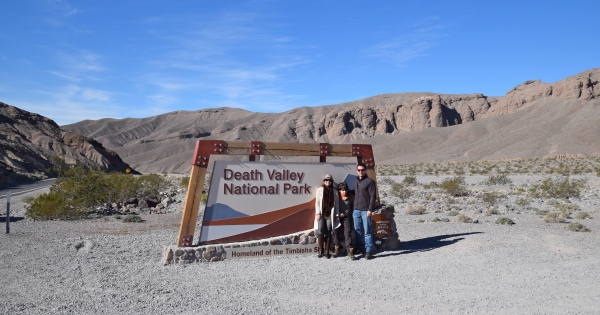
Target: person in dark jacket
364, 202
346, 207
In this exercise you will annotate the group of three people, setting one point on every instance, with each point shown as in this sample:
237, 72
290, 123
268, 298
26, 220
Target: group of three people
345, 209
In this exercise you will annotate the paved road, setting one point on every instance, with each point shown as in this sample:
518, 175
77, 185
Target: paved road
23, 188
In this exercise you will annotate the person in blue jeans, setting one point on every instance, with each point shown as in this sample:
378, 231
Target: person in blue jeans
364, 202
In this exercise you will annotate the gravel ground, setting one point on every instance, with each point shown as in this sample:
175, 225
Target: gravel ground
105, 266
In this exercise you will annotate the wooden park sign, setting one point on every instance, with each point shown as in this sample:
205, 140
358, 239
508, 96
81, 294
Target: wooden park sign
238, 220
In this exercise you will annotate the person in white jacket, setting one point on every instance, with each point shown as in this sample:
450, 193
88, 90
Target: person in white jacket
326, 214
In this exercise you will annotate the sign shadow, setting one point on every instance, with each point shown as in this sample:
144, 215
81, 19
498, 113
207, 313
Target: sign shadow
427, 244
12, 219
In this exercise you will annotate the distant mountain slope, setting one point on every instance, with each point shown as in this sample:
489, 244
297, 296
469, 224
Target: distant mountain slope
390, 121
28, 142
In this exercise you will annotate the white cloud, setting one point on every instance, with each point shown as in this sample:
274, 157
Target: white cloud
237, 56
73, 103
402, 49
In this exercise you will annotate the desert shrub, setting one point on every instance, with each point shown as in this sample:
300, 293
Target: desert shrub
130, 218
555, 217
386, 181
561, 187
504, 221
415, 210
184, 182
498, 180
454, 186
431, 185
567, 207
463, 218
492, 197
577, 227
493, 211
410, 180
400, 191
77, 191
420, 221
583, 215
49, 206
541, 212
523, 202
28, 199
430, 197
453, 213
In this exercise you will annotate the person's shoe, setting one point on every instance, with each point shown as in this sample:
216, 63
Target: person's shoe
336, 251
320, 244
358, 251
368, 256
351, 253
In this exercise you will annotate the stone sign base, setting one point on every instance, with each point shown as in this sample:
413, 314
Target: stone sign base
294, 244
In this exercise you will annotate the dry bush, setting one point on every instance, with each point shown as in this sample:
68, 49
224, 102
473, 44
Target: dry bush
505, 221
463, 218
583, 216
415, 210
555, 217
454, 186
399, 191
577, 227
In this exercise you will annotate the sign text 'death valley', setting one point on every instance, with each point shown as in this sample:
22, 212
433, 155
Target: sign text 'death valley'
284, 182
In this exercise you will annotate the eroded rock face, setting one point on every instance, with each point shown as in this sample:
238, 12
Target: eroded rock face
28, 142
581, 86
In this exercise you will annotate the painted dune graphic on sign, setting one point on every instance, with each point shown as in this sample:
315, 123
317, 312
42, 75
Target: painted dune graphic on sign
274, 223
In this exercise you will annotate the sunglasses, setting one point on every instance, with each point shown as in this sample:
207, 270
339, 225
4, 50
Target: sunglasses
360, 170
328, 180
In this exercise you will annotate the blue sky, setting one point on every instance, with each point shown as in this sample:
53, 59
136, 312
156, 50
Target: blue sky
76, 60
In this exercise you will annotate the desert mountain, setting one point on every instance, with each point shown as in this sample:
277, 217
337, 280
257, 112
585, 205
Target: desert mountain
535, 119
28, 142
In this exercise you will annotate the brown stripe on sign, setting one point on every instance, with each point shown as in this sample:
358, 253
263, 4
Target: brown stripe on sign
263, 218
299, 221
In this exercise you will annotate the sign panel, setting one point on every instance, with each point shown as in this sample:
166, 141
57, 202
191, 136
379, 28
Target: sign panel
382, 229
257, 200
270, 251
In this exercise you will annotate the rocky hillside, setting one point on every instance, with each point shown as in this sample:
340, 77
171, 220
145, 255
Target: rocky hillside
28, 142
165, 142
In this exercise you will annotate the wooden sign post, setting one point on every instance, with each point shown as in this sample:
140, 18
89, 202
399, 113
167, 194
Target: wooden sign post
206, 148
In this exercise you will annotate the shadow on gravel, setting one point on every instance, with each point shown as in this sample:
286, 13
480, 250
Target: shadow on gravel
12, 219
427, 244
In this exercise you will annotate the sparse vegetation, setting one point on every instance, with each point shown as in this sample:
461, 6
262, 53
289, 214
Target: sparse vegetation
409, 180
498, 180
415, 210
504, 221
454, 186
130, 218
400, 191
27, 199
555, 217
561, 187
492, 198
453, 213
577, 227
523, 202
463, 218
583, 215
78, 191
493, 211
